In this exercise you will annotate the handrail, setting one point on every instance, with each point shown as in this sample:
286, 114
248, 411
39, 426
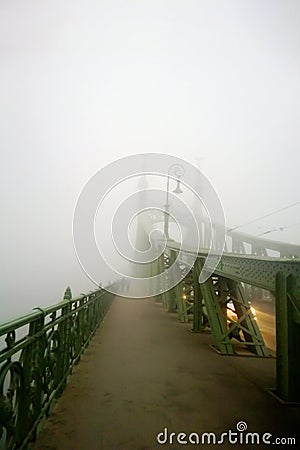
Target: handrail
37, 354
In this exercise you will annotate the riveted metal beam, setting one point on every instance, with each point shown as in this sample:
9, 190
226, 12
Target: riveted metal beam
254, 270
198, 313
287, 339
171, 293
281, 276
245, 320
184, 289
216, 317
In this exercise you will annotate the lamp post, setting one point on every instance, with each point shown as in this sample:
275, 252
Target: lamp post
178, 171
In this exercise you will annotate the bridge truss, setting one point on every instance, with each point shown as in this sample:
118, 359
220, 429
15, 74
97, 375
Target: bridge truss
222, 302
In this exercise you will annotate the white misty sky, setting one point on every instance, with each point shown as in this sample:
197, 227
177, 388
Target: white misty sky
85, 82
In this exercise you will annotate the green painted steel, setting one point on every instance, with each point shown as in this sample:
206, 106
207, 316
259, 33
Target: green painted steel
161, 269
165, 265
184, 291
36, 357
224, 292
217, 319
183, 304
245, 323
198, 302
254, 270
171, 294
287, 338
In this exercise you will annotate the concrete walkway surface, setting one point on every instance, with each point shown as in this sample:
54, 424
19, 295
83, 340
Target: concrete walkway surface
144, 372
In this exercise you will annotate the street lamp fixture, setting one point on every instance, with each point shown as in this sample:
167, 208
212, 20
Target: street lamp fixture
176, 170
178, 189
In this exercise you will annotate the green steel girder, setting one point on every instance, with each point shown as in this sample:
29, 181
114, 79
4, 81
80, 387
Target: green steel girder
184, 306
281, 276
224, 328
287, 338
217, 318
255, 270
165, 296
158, 267
214, 295
258, 271
198, 313
172, 293
246, 322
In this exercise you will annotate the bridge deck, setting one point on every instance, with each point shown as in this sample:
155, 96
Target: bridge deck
144, 371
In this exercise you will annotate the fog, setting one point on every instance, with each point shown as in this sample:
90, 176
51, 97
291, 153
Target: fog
85, 83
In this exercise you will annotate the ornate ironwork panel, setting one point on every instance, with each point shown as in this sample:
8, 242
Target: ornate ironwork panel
37, 354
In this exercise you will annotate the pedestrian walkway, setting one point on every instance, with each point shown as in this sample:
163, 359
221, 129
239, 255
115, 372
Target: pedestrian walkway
144, 372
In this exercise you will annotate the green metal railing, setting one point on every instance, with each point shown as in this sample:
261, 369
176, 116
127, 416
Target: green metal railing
37, 353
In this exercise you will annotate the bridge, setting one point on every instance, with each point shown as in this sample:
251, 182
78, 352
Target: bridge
186, 366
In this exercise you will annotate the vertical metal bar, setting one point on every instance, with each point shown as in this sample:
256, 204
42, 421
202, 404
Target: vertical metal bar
66, 334
171, 293
181, 303
164, 293
161, 269
283, 340
197, 308
293, 299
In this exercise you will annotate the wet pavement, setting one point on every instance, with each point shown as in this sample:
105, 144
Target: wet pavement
144, 373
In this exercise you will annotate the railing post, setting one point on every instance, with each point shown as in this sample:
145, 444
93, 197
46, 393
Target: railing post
66, 337
165, 263
160, 271
33, 364
171, 293
287, 341
181, 303
197, 308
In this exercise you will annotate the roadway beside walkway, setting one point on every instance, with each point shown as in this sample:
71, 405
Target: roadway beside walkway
144, 372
